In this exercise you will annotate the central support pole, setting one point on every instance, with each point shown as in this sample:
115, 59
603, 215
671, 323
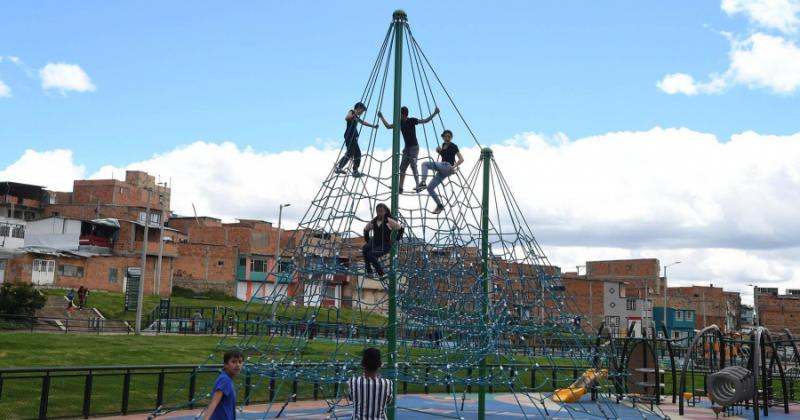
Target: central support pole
399, 19
486, 155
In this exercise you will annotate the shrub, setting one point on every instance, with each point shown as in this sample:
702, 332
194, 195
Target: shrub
20, 299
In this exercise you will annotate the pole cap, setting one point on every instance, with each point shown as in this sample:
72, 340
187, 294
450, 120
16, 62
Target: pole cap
400, 14
487, 151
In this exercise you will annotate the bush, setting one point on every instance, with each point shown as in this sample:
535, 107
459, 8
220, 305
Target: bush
178, 291
20, 299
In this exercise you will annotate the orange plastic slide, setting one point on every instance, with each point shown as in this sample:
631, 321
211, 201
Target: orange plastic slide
580, 386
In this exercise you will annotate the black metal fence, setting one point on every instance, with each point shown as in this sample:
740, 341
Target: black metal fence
84, 391
94, 325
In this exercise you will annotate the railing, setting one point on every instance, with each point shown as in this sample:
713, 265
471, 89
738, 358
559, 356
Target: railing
95, 325
84, 391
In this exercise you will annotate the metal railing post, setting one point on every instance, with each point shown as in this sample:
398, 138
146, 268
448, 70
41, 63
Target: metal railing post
45, 396
87, 395
126, 390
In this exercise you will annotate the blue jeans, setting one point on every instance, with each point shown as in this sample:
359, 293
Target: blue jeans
443, 170
353, 152
410, 155
372, 251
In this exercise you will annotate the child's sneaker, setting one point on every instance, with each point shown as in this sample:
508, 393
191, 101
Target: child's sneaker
400, 191
420, 187
438, 209
340, 171
356, 174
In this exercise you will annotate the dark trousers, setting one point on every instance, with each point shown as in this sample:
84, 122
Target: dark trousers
372, 252
353, 152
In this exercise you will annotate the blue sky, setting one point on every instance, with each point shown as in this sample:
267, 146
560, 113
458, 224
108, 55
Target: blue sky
628, 129
279, 75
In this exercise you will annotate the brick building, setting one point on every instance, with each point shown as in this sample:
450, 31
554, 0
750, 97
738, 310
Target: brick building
94, 235
588, 290
776, 311
587, 294
712, 305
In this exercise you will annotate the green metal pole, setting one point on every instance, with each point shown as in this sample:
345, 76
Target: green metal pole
486, 155
399, 18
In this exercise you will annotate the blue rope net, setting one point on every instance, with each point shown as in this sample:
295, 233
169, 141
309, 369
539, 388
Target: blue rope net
297, 348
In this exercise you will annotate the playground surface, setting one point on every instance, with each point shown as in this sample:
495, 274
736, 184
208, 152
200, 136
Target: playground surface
498, 406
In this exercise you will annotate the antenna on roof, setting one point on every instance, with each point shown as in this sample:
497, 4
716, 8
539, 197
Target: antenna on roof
196, 219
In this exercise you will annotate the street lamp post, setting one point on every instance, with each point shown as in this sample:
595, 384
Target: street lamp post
665, 292
157, 290
755, 305
140, 295
278, 258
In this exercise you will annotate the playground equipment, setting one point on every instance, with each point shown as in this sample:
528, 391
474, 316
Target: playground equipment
589, 379
750, 381
730, 385
471, 281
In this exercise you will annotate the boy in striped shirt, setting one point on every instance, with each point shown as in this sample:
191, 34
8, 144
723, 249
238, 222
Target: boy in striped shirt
370, 393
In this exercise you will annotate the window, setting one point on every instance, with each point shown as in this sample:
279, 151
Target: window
630, 304
689, 315
612, 321
112, 275
242, 261
220, 263
18, 231
5, 230
155, 218
70, 271
284, 266
258, 266
679, 315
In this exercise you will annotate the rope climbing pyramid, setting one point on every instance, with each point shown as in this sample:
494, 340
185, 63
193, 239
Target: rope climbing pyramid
469, 303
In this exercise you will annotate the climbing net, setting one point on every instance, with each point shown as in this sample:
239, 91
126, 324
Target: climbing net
319, 310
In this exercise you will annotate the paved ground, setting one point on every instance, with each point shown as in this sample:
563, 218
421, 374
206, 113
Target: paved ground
500, 406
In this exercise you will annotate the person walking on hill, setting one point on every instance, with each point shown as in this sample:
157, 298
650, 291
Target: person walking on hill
70, 298
82, 292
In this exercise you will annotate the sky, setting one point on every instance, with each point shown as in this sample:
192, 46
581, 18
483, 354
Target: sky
629, 129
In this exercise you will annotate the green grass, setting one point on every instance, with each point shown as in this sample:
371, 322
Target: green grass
111, 305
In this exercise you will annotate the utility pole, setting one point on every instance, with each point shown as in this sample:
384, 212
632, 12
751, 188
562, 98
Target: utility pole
757, 314
665, 293
278, 259
399, 19
140, 295
160, 242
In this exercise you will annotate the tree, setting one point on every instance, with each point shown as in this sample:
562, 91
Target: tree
20, 299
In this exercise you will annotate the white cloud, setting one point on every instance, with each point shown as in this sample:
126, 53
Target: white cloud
759, 61
5, 90
766, 61
54, 169
726, 207
65, 77
781, 15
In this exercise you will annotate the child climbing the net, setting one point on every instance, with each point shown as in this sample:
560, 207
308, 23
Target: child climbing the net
353, 152
381, 241
448, 151
411, 150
